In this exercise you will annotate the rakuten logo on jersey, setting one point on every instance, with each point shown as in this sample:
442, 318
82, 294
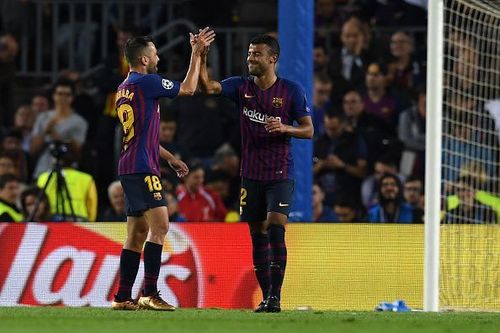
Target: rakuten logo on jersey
64, 264
257, 117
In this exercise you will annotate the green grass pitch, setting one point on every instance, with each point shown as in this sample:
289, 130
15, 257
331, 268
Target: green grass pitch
97, 320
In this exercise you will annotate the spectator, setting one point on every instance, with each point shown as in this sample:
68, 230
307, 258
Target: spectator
348, 66
371, 184
7, 165
82, 193
197, 203
414, 191
404, 71
465, 144
218, 182
469, 209
39, 103
11, 145
320, 59
346, 211
24, 119
321, 101
326, 17
391, 207
29, 198
9, 194
321, 212
61, 124
168, 130
227, 162
83, 102
474, 171
378, 101
379, 137
412, 134
116, 212
340, 159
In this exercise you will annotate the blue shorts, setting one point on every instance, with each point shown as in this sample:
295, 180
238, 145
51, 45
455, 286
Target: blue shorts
258, 197
142, 192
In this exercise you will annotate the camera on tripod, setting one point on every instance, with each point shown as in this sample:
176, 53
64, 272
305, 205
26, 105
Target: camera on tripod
63, 210
58, 149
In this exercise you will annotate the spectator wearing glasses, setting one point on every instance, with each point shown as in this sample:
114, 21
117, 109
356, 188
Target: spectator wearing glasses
61, 124
391, 207
414, 192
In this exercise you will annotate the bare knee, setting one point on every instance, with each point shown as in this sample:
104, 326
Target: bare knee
159, 229
135, 240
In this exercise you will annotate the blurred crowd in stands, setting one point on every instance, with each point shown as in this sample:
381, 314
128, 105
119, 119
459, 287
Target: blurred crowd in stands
369, 114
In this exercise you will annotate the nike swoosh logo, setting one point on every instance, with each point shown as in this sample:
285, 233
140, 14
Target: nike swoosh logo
249, 96
282, 204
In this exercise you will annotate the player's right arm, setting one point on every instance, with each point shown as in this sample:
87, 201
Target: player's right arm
198, 44
208, 86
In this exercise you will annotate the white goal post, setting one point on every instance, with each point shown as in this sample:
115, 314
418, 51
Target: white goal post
462, 198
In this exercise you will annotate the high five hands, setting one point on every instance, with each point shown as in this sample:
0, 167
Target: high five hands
201, 41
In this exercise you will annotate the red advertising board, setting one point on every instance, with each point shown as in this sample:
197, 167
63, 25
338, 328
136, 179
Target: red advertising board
203, 265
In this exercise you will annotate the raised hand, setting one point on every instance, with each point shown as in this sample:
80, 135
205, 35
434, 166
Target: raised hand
202, 40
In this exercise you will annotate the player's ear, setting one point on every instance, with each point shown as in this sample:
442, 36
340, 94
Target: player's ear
143, 60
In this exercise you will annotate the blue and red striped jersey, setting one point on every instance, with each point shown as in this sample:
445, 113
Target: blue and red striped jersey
266, 156
139, 112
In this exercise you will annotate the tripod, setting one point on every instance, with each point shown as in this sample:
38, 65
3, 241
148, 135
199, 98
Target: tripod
62, 195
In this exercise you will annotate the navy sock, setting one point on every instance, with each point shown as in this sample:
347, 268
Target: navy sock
152, 263
129, 265
260, 255
277, 258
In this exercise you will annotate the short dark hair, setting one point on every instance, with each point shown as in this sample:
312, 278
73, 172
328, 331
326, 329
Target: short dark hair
269, 41
135, 47
64, 82
335, 113
34, 191
7, 178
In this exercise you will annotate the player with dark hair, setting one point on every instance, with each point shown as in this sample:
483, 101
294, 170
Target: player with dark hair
268, 106
139, 164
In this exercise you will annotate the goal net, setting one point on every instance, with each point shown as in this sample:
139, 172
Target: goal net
470, 230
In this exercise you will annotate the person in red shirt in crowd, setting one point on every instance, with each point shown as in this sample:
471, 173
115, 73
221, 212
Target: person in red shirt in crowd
196, 202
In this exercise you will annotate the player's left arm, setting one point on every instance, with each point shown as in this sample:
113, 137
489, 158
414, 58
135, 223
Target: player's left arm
179, 166
300, 112
304, 130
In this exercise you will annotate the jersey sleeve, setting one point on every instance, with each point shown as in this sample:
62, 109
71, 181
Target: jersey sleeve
299, 104
230, 87
155, 86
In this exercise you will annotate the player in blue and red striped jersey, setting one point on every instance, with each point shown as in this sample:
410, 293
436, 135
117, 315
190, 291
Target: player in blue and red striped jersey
268, 106
139, 169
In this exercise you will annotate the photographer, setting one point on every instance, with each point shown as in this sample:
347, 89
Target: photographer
60, 124
81, 196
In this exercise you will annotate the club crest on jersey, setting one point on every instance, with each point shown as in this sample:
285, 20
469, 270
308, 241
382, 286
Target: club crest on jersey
277, 102
157, 196
167, 84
